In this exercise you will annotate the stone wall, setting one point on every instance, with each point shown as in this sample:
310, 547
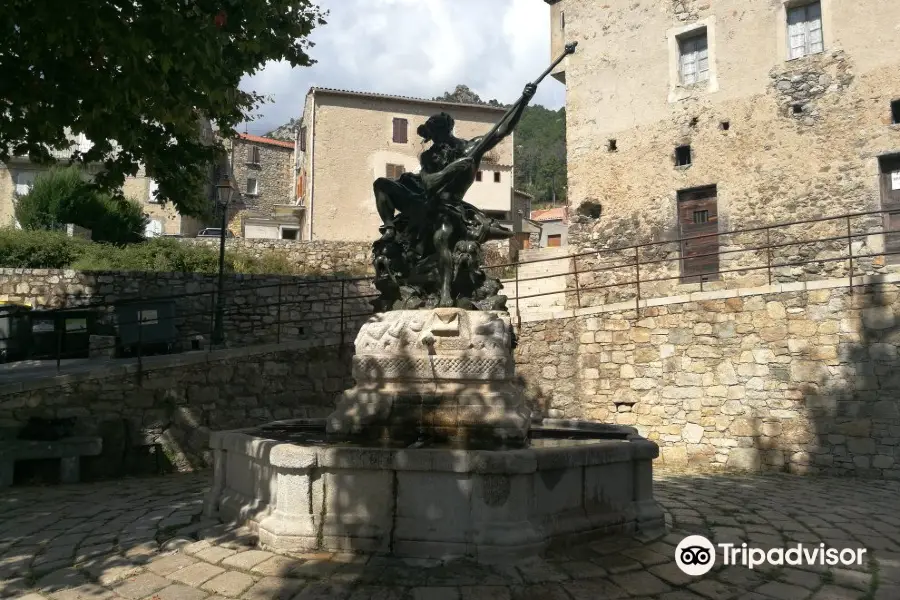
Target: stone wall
257, 308
327, 257
174, 402
797, 377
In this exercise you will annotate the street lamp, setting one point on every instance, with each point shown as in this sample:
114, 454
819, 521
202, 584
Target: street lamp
224, 191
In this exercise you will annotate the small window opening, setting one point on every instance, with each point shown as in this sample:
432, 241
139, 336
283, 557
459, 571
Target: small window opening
682, 156
725, 125
290, 234
701, 216
496, 176
478, 176
611, 146
694, 122
895, 112
798, 109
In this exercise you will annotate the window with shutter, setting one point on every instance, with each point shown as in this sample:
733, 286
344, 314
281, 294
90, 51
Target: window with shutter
401, 127
805, 30
253, 155
394, 171
694, 62
303, 139
252, 186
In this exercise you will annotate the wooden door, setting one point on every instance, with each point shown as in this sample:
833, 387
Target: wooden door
554, 241
524, 239
698, 214
890, 199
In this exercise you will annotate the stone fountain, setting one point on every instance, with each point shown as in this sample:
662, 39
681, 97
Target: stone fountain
434, 452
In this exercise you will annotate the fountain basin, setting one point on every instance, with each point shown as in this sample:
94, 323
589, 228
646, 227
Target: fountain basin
302, 493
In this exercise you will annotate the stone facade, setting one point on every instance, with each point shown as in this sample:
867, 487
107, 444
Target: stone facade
174, 402
781, 139
350, 258
346, 141
803, 381
270, 163
253, 306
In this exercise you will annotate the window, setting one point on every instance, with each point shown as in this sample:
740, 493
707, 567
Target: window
478, 175
694, 63
252, 186
895, 112
496, 176
253, 155
394, 171
303, 139
701, 216
401, 126
562, 20
554, 241
290, 233
725, 125
683, 156
805, 30
612, 146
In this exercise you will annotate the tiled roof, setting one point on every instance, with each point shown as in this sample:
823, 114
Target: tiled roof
521, 193
549, 214
338, 92
264, 140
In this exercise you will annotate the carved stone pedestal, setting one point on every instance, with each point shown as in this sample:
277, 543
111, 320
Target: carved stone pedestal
445, 374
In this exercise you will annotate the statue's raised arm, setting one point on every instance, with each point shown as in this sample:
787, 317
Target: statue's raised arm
508, 123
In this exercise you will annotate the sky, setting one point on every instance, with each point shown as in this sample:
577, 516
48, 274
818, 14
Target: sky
419, 48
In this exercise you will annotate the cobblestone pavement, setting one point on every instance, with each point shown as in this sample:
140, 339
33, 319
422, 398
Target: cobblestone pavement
145, 539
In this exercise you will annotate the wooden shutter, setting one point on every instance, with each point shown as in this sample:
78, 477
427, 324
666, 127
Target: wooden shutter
303, 139
698, 215
394, 171
890, 200
401, 127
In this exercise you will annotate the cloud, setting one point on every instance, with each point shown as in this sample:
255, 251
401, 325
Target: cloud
416, 48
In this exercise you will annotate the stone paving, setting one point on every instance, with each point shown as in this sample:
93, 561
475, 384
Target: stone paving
145, 539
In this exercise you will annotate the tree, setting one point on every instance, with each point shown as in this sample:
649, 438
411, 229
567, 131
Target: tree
63, 196
135, 76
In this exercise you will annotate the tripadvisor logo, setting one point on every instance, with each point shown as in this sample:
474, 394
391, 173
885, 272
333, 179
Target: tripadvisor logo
695, 555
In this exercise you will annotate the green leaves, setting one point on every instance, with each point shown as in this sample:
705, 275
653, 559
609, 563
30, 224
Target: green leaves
63, 196
139, 73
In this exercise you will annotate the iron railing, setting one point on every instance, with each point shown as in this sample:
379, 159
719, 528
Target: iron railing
273, 312
636, 272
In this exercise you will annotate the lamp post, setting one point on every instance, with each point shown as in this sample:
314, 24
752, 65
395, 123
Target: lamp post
223, 194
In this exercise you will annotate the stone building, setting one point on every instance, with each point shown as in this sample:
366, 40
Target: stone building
689, 117
263, 175
348, 139
554, 226
18, 176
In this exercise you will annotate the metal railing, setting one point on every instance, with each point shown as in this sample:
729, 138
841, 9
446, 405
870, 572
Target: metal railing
273, 312
266, 313
636, 270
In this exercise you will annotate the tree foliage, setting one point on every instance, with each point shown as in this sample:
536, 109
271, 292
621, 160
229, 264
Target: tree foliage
136, 77
63, 196
540, 150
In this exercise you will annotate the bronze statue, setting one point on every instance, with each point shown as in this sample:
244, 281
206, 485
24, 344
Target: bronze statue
429, 253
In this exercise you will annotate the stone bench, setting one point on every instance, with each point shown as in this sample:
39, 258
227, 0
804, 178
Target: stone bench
68, 450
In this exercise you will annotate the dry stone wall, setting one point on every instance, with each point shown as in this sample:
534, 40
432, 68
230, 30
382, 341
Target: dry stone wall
804, 381
257, 309
175, 401
327, 257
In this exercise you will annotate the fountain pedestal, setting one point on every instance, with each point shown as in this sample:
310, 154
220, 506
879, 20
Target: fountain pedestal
433, 455
445, 374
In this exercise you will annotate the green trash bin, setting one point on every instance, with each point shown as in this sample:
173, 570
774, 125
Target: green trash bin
15, 331
64, 332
